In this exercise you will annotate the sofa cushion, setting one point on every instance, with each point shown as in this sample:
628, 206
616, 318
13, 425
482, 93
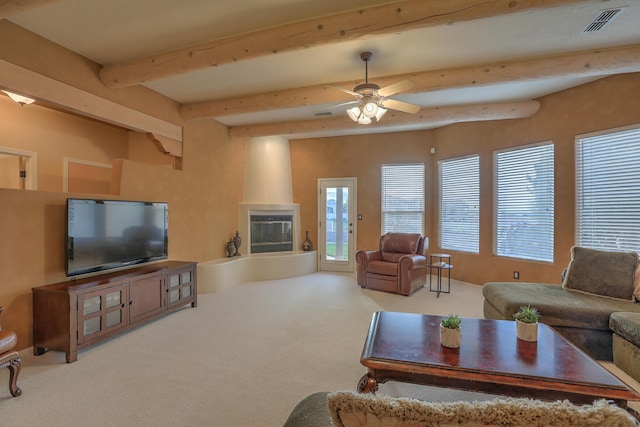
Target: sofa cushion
395, 245
603, 273
627, 325
384, 268
349, 409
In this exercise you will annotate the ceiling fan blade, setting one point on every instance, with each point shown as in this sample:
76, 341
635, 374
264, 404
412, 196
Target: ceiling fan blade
333, 107
396, 87
399, 105
350, 92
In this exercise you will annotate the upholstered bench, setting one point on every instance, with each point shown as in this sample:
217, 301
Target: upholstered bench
626, 342
10, 359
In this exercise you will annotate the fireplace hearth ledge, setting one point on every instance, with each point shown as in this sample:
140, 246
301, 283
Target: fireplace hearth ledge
218, 274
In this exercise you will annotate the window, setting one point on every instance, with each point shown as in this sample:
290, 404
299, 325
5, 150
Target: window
608, 190
524, 203
459, 181
403, 198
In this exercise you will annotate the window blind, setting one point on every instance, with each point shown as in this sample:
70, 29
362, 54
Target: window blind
459, 185
524, 203
403, 198
608, 191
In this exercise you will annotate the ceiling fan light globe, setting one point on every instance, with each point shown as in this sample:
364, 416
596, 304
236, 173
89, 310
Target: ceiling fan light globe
370, 109
380, 113
364, 120
354, 113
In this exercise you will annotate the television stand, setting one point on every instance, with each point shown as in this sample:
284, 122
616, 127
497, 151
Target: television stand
69, 316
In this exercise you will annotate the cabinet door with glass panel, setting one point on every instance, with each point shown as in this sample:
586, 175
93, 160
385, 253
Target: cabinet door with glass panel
182, 287
101, 312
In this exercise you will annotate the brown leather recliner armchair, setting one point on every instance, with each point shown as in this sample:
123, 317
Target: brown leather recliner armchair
399, 266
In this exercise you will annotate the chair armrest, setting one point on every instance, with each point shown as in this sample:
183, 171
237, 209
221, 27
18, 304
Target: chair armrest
362, 258
412, 262
366, 256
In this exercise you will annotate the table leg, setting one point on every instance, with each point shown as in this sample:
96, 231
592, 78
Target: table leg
367, 384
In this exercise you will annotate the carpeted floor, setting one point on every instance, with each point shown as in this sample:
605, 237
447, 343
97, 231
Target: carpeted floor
244, 357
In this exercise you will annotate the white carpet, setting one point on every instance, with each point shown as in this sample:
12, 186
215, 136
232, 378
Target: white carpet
244, 357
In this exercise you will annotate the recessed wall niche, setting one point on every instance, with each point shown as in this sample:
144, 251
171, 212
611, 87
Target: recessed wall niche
66, 151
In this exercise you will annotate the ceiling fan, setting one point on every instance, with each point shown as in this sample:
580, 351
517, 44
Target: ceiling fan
373, 101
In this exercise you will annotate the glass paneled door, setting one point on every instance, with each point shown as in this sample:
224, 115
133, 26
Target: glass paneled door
336, 227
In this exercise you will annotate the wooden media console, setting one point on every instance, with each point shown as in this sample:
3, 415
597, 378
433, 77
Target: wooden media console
75, 314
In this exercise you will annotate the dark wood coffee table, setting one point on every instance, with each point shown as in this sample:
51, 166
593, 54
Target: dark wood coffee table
406, 347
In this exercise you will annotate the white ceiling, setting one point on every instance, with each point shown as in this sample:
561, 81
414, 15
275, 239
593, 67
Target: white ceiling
116, 31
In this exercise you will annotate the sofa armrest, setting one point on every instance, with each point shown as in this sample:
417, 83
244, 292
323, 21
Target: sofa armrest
363, 258
312, 411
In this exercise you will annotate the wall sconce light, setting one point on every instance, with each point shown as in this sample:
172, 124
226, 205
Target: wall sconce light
22, 100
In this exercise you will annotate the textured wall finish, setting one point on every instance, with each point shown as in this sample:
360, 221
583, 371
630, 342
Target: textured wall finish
268, 171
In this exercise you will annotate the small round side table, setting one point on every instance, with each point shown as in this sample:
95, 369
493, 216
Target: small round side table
440, 262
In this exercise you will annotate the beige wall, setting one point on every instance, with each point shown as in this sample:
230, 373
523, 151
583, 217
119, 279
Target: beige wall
55, 135
202, 200
354, 156
202, 193
604, 104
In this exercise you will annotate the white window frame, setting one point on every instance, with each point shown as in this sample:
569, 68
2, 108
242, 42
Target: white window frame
608, 205
459, 204
402, 189
519, 231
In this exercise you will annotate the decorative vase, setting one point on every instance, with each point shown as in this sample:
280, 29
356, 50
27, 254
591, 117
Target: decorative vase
231, 248
449, 337
526, 331
237, 241
307, 245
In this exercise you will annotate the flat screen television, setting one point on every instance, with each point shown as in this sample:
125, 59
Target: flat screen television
108, 234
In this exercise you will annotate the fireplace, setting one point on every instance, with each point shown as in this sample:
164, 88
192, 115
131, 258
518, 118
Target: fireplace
271, 231
270, 228
267, 215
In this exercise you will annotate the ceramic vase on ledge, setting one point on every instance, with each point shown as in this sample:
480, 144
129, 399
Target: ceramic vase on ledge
231, 248
307, 245
527, 331
449, 337
237, 241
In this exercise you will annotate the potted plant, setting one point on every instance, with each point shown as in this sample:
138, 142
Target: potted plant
450, 331
527, 323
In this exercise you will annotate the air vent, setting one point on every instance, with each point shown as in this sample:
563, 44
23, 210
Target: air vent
324, 113
603, 19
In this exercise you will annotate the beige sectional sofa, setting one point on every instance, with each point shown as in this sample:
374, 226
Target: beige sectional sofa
589, 308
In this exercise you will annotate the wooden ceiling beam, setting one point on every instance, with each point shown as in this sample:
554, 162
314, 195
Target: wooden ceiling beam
600, 62
390, 18
426, 118
69, 98
166, 145
13, 7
